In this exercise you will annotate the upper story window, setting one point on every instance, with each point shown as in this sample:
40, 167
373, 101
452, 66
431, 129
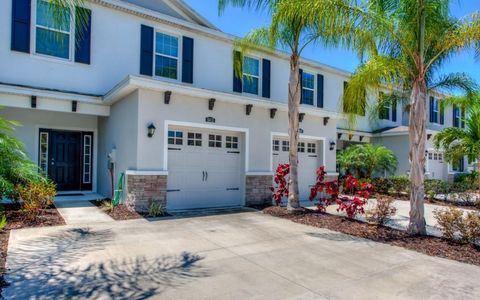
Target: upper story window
53, 32
308, 88
166, 55
437, 111
251, 75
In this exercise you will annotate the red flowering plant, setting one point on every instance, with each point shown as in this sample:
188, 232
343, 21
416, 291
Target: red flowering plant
352, 203
356, 197
328, 190
282, 184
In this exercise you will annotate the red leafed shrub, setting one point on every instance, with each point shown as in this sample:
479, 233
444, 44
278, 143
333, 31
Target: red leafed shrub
282, 184
352, 204
329, 187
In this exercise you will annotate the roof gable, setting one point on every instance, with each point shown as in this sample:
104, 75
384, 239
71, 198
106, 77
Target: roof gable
174, 8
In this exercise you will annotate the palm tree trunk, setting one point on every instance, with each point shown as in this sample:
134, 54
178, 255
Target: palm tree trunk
418, 139
293, 110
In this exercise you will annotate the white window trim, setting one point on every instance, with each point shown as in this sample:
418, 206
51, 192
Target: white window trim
253, 76
314, 87
179, 58
33, 37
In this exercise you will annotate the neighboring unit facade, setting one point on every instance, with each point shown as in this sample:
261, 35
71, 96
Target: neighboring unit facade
148, 90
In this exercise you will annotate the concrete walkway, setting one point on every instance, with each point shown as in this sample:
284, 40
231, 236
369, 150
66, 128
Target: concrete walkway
78, 210
241, 255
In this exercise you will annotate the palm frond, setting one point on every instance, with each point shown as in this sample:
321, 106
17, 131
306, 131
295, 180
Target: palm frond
455, 81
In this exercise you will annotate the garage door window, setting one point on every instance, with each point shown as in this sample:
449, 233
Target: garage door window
276, 145
194, 139
214, 141
231, 142
175, 137
311, 148
301, 147
285, 146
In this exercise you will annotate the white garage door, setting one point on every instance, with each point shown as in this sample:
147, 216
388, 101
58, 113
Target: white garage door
309, 159
205, 168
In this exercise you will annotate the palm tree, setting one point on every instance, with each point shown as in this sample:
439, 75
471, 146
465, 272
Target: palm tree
291, 32
460, 142
367, 159
403, 44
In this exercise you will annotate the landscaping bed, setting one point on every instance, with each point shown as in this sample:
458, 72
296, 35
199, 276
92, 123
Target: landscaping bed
16, 219
439, 202
429, 245
121, 212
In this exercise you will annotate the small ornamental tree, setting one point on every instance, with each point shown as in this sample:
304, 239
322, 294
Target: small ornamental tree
282, 185
351, 206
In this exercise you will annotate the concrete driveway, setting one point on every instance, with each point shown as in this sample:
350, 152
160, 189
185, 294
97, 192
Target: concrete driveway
239, 255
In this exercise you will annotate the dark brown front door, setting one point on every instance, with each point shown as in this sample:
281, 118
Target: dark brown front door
65, 159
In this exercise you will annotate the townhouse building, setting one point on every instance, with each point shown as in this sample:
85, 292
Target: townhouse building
148, 89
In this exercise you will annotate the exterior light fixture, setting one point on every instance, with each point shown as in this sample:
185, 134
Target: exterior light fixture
332, 145
273, 111
151, 130
211, 103
167, 96
301, 116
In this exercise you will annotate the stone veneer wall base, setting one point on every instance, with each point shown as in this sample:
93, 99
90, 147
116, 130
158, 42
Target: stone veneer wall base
257, 189
143, 190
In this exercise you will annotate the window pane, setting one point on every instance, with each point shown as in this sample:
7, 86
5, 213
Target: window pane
307, 96
308, 80
250, 85
45, 17
52, 43
166, 67
250, 66
166, 44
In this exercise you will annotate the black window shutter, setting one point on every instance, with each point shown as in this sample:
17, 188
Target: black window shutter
187, 60
300, 81
266, 78
394, 110
442, 114
320, 90
237, 80
146, 50
83, 33
20, 39
345, 86
462, 116
454, 119
431, 110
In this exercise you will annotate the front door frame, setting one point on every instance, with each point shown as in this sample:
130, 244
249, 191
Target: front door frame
90, 188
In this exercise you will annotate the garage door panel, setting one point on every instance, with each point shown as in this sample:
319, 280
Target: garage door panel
210, 175
308, 163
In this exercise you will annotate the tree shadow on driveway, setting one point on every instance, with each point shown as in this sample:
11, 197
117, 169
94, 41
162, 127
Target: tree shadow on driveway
44, 268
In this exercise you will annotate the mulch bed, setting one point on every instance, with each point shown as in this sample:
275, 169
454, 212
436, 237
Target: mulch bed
17, 219
429, 245
445, 203
122, 212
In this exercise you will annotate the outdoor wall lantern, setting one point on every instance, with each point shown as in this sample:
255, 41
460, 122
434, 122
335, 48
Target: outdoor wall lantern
167, 96
332, 145
151, 130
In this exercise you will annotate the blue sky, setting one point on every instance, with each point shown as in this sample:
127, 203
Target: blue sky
238, 22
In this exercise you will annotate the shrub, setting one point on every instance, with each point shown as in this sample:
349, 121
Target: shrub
36, 195
383, 210
280, 180
400, 184
449, 221
453, 221
353, 205
3, 218
383, 185
155, 209
365, 160
108, 206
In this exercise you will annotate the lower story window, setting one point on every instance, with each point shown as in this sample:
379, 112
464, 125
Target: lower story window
231, 142
194, 139
43, 155
214, 141
301, 147
311, 148
87, 159
276, 145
